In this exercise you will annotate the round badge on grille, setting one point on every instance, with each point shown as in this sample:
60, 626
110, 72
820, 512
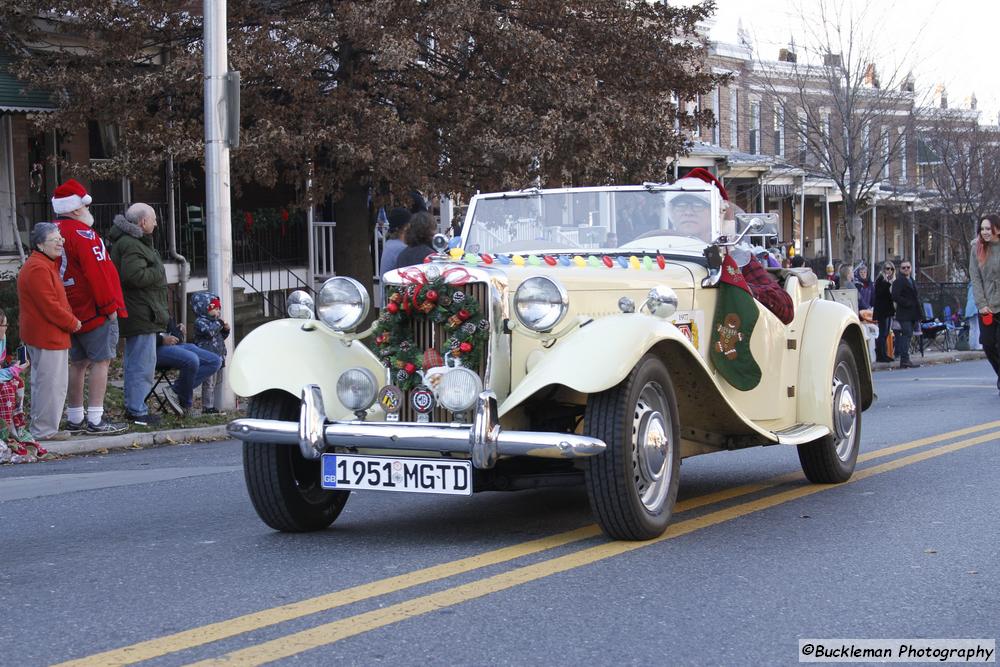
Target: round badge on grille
422, 399
390, 399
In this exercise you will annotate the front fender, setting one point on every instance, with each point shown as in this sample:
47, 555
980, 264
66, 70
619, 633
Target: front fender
601, 354
827, 324
287, 355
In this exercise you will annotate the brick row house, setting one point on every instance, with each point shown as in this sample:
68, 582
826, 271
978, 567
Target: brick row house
760, 150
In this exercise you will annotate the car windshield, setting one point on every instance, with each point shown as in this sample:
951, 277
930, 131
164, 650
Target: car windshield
637, 220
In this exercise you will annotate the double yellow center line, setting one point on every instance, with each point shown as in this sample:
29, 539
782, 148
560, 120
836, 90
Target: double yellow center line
327, 633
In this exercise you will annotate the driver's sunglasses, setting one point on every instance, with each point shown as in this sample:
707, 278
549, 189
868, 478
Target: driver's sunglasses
686, 207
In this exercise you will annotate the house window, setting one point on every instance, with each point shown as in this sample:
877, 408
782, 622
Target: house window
734, 108
885, 153
826, 135
803, 138
779, 130
902, 156
755, 128
717, 110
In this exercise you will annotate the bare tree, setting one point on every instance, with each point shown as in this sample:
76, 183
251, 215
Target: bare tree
848, 106
961, 162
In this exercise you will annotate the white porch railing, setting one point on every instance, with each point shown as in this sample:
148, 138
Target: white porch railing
323, 243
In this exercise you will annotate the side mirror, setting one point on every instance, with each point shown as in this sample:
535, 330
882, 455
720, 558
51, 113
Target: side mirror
758, 225
713, 254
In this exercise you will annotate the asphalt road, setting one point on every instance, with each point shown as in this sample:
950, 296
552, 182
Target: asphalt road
158, 555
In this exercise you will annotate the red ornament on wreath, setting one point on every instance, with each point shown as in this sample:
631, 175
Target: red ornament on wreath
414, 305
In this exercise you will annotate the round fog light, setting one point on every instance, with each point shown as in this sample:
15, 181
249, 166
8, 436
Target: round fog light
356, 389
459, 389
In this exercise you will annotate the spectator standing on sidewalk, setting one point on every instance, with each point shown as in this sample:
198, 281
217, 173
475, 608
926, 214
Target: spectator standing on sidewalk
46, 324
883, 309
419, 234
866, 290
210, 333
984, 274
144, 282
394, 244
904, 293
94, 293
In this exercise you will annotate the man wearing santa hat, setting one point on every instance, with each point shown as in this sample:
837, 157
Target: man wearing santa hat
95, 295
691, 212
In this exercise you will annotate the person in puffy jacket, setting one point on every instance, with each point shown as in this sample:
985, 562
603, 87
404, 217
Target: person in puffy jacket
144, 282
866, 290
210, 333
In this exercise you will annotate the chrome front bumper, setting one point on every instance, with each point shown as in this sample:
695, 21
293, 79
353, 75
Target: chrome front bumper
484, 440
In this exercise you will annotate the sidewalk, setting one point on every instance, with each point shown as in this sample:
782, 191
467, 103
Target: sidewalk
933, 359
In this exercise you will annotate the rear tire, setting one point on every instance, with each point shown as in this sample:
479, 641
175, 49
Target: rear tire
284, 486
633, 485
831, 460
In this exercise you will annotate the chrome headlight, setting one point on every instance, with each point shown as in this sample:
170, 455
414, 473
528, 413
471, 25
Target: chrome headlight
356, 389
300, 305
458, 389
540, 303
343, 303
662, 301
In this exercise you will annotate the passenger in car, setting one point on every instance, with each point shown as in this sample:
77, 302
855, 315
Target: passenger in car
767, 290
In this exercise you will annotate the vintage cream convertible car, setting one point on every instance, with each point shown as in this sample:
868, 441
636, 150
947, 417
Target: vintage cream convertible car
568, 340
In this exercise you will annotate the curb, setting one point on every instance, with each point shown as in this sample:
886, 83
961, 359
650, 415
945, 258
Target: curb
90, 444
933, 359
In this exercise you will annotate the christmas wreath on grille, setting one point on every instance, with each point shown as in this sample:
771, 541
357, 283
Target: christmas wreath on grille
435, 300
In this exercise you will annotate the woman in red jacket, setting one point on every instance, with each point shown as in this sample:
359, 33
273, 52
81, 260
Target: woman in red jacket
46, 323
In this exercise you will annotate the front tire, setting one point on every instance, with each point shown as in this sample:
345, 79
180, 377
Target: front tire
831, 460
284, 486
633, 485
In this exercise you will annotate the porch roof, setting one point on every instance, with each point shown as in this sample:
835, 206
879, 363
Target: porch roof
16, 97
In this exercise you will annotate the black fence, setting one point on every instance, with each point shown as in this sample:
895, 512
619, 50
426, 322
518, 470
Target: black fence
283, 234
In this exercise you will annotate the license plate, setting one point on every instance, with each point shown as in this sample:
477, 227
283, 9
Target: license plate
384, 473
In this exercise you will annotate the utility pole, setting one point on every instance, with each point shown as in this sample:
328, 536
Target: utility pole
218, 125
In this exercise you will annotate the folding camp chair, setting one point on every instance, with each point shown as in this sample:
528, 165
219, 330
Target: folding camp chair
933, 332
162, 379
955, 329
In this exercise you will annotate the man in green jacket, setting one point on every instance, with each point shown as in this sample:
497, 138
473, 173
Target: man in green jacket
144, 283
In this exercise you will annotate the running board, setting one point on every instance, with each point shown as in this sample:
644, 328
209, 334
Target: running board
800, 434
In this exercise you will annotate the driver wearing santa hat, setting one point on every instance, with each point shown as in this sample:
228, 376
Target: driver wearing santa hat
691, 212
94, 292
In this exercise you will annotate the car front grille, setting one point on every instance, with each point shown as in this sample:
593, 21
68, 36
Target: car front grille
425, 334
